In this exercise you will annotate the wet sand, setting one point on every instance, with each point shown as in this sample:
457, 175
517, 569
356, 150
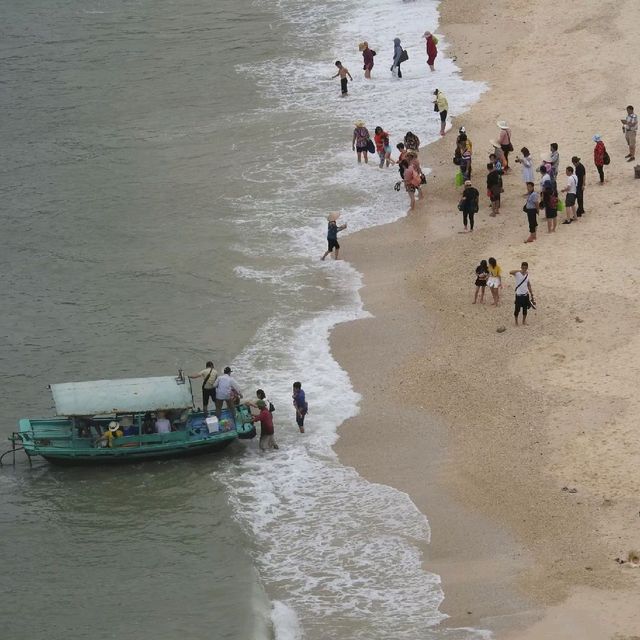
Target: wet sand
485, 430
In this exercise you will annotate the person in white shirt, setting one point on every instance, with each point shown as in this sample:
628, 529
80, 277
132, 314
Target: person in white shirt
209, 376
227, 390
572, 193
162, 424
524, 292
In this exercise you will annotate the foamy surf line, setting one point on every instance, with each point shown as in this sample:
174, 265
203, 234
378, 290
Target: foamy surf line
339, 556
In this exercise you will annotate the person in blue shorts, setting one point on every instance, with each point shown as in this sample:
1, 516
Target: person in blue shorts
300, 404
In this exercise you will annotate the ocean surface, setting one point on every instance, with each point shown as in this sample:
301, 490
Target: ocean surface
167, 168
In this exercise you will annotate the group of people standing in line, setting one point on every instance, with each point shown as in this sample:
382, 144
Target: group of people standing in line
223, 389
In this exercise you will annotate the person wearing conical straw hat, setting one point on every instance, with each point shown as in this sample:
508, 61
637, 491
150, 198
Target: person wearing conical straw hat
505, 141
332, 235
360, 141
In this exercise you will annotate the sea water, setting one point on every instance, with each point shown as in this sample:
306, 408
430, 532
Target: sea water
167, 172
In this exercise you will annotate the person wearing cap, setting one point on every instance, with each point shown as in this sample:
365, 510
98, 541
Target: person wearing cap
504, 140
432, 48
209, 376
630, 130
441, 104
581, 175
267, 440
360, 142
226, 391
469, 204
599, 154
332, 235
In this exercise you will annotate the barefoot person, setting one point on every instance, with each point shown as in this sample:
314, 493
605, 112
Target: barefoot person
332, 235
494, 282
360, 141
432, 48
531, 209
441, 105
524, 293
367, 56
482, 274
264, 417
300, 405
412, 180
505, 141
527, 165
630, 130
572, 193
343, 72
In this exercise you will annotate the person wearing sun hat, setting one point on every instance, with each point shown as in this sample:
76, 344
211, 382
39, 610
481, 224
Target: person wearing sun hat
113, 431
332, 235
599, 156
360, 142
505, 141
432, 49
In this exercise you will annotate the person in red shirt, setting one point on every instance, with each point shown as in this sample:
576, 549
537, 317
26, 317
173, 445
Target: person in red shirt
381, 139
267, 440
432, 49
599, 153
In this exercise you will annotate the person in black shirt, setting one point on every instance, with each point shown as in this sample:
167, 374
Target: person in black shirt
494, 188
581, 174
469, 204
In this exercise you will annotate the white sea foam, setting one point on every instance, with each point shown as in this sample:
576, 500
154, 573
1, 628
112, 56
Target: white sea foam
340, 556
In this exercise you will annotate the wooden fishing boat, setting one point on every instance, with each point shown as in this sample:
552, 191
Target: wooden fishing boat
116, 421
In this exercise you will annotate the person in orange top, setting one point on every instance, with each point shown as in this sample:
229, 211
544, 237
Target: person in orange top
381, 139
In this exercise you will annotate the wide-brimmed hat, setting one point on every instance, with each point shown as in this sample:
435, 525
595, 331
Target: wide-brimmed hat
359, 123
502, 124
113, 426
597, 137
467, 183
333, 216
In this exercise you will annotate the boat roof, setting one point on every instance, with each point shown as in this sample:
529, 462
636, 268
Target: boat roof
129, 395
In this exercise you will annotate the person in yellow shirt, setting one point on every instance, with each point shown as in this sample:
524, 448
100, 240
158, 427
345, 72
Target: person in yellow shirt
495, 280
114, 431
441, 104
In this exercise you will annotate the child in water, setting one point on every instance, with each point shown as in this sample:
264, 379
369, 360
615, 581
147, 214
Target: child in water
343, 72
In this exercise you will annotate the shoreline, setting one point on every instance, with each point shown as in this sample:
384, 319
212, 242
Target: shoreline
488, 469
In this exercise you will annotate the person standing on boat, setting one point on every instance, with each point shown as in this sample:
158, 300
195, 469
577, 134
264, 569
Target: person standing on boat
225, 387
267, 440
210, 376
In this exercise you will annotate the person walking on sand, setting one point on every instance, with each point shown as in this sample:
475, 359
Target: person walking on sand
581, 175
300, 405
494, 188
209, 375
494, 282
482, 274
343, 72
432, 48
527, 165
572, 193
549, 199
524, 293
332, 235
531, 209
267, 439
504, 139
630, 129
469, 204
399, 56
360, 141
600, 156
367, 56
441, 105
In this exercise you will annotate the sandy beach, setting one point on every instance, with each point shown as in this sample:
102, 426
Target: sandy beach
522, 446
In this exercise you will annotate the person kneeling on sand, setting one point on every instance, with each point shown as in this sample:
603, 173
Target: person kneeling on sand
524, 293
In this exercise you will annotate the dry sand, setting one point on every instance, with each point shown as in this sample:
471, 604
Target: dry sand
482, 429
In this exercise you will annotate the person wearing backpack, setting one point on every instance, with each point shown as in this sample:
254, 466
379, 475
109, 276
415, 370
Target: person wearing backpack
432, 49
399, 56
367, 55
600, 156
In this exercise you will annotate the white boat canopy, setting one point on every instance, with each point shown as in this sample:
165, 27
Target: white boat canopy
128, 395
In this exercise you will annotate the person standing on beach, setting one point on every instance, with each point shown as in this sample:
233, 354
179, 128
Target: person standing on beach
549, 194
441, 105
494, 188
524, 293
210, 375
412, 180
300, 405
554, 159
360, 141
494, 282
531, 209
630, 129
504, 139
343, 72
572, 193
600, 156
432, 48
469, 204
332, 235
367, 56
581, 175
399, 56
527, 165
482, 274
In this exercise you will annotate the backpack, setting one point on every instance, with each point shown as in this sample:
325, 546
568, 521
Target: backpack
605, 158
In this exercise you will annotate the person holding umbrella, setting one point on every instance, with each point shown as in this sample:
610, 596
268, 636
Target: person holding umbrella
332, 235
